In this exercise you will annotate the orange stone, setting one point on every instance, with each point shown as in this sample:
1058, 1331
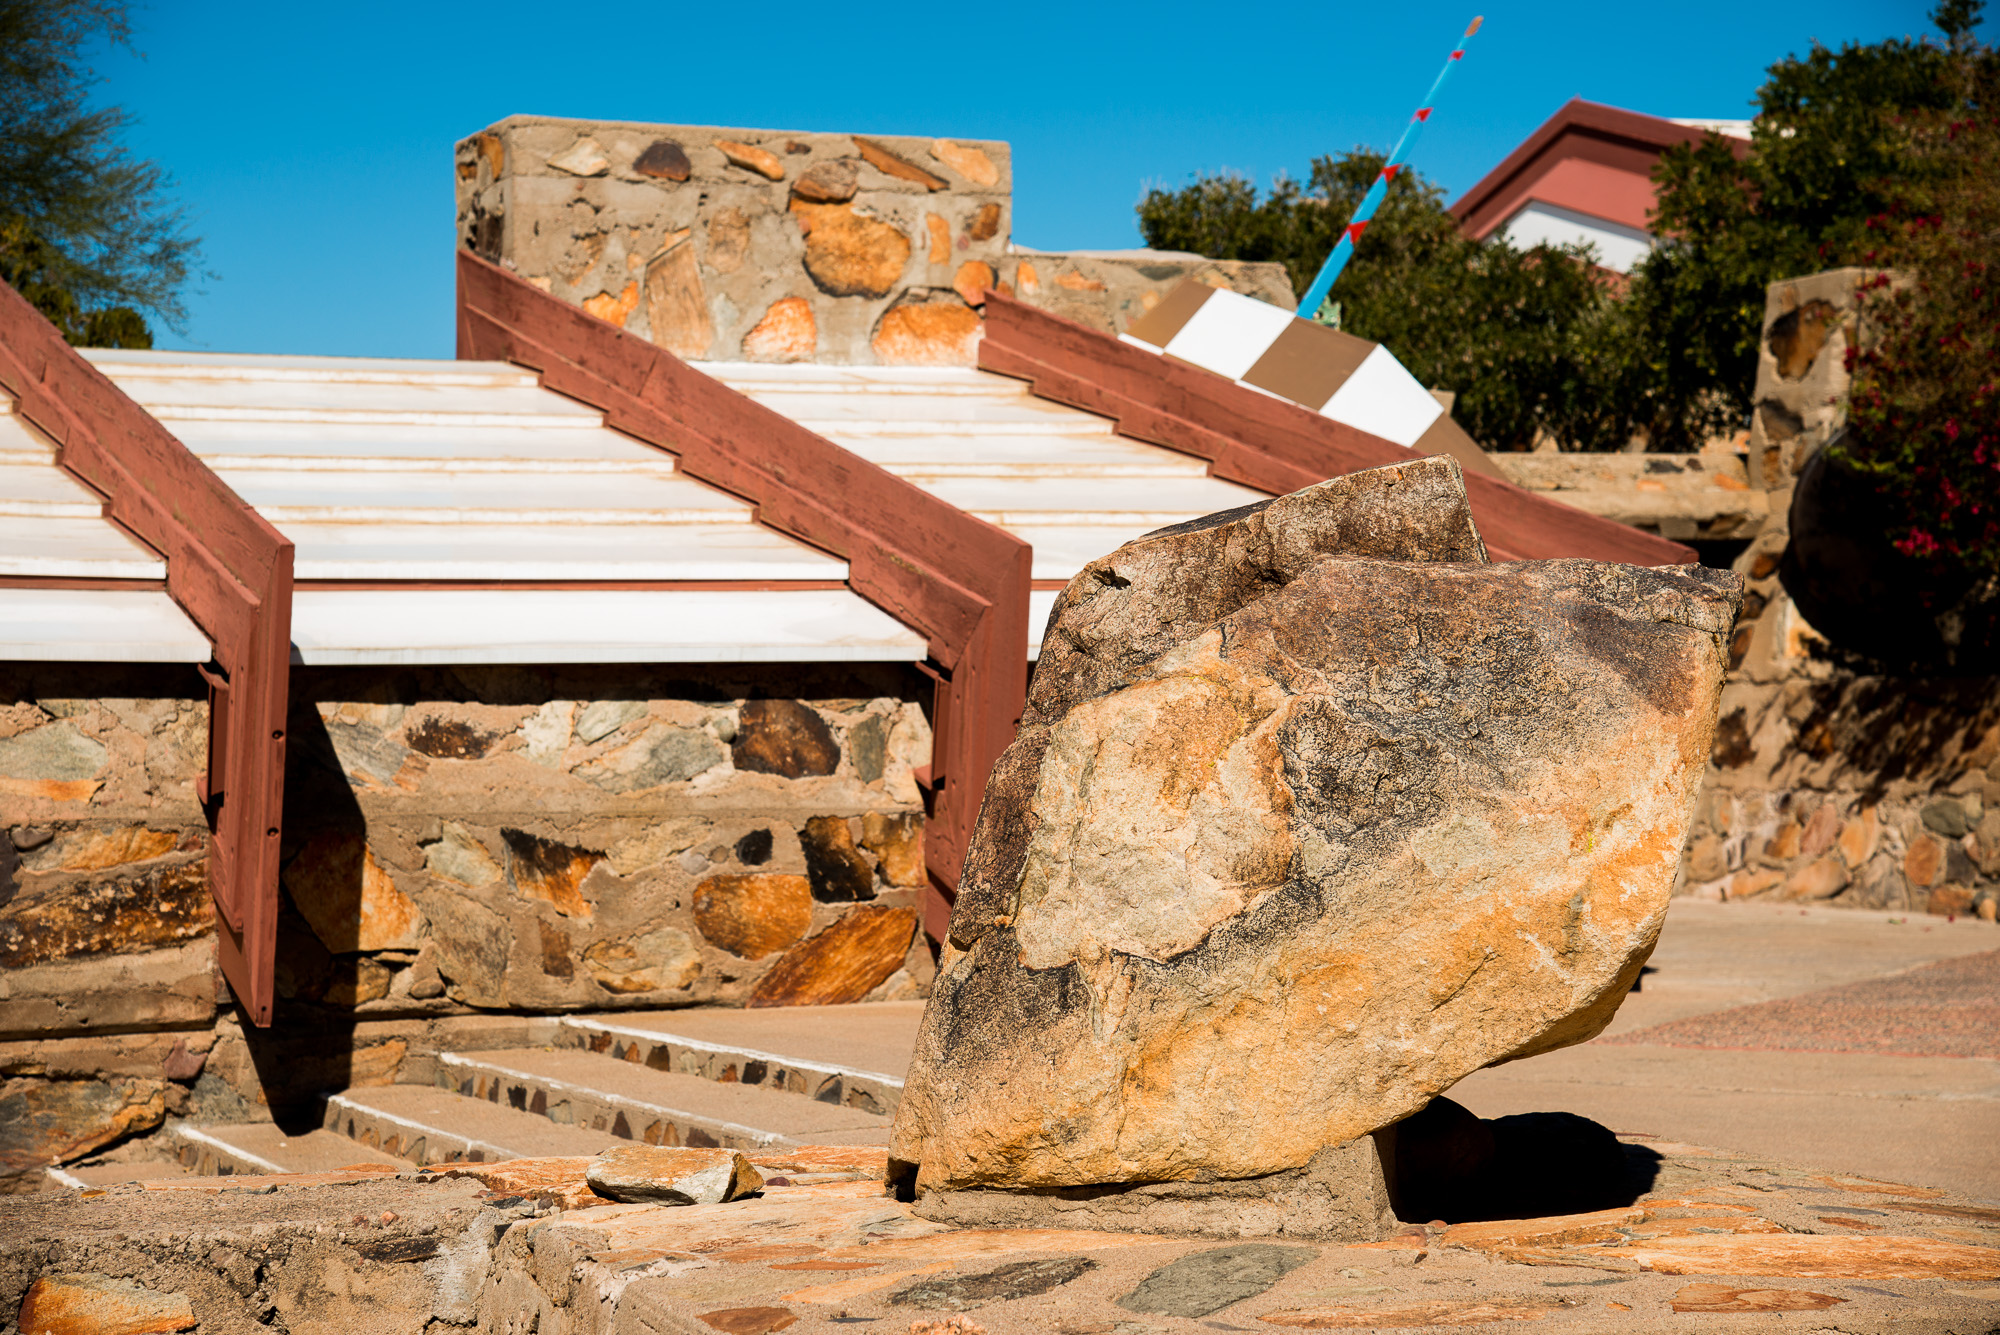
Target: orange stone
345, 896
1030, 281
932, 333
1858, 835
1949, 901
94, 850
1076, 282
749, 1320
985, 223
1783, 845
898, 845
554, 1181
71, 1304
614, 310
751, 916
553, 872
890, 164
1822, 878
787, 333
751, 158
1441, 1312
940, 238
968, 161
1722, 1298
1924, 861
842, 964
51, 790
1749, 884
850, 254
676, 306
973, 280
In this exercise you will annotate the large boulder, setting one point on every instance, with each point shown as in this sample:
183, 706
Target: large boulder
1312, 814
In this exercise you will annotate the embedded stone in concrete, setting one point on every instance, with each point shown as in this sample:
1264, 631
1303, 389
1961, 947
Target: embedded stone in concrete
73, 1304
785, 738
53, 1121
985, 223
662, 754
972, 281
751, 916
583, 158
97, 849
676, 304
751, 158
664, 960
601, 718
828, 183
54, 751
964, 1293
656, 1174
786, 333
749, 1320
927, 333
449, 739
940, 234
835, 868
1209, 1281
728, 240
1401, 1316
459, 856
897, 841
547, 869
614, 307
968, 160
850, 254
664, 160
844, 963
159, 907
1283, 881
350, 902
891, 164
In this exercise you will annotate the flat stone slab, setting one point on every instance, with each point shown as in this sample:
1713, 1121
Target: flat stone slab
1714, 1234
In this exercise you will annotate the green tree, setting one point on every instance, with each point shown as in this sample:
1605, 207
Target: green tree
1830, 149
87, 231
1513, 332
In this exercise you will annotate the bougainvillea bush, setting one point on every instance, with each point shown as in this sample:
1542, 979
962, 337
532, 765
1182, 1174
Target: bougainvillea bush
1924, 411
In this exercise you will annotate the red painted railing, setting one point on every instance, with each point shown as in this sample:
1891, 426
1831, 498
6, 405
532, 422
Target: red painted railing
231, 572
1267, 443
959, 580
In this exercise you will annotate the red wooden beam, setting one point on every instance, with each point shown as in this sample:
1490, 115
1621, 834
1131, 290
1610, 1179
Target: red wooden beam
961, 581
231, 572
1265, 442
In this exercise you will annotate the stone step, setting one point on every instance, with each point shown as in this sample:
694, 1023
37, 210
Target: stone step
627, 1099
436, 1125
260, 1147
854, 1056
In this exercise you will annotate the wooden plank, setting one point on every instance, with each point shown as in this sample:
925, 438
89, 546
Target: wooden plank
230, 571
1268, 443
960, 581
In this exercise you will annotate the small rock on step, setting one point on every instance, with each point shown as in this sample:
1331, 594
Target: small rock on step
672, 1176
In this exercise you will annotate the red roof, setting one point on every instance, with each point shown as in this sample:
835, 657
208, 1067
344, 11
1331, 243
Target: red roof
1588, 158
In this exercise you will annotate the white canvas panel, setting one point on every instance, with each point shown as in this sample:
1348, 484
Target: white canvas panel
1384, 400
1229, 333
98, 626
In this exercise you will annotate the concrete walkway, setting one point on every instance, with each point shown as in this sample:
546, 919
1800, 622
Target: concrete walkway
1891, 1111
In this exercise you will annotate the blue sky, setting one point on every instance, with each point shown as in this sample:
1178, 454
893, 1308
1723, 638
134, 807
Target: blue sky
312, 144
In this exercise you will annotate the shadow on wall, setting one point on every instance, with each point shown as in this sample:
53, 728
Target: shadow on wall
327, 881
1448, 1164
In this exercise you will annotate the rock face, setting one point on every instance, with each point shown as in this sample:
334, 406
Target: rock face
1312, 813
669, 1176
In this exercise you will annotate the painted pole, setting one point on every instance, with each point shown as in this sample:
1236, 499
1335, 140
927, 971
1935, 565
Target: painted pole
1343, 250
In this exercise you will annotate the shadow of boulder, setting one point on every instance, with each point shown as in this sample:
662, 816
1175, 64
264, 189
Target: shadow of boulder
1448, 1164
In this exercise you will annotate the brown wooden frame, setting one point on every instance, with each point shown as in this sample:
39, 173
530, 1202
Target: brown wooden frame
1266, 442
231, 572
960, 581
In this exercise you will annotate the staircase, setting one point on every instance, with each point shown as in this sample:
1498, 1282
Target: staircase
767, 1079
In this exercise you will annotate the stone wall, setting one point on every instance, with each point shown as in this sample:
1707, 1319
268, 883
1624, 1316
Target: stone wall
782, 246
1831, 782
463, 847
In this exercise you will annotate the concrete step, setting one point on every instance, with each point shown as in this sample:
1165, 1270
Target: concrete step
631, 1100
82, 1177
855, 1056
433, 1126
260, 1147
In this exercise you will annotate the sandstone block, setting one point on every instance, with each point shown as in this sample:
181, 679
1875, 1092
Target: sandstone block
71, 1304
927, 333
728, 240
835, 868
663, 160
95, 850
660, 961
850, 254
888, 163
1312, 814
786, 333
583, 158
660, 1175
751, 916
751, 158
968, 160
973, 279
844, 963
676, 304
828, 183
548, 870
351, 903
161, 906
785, 738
